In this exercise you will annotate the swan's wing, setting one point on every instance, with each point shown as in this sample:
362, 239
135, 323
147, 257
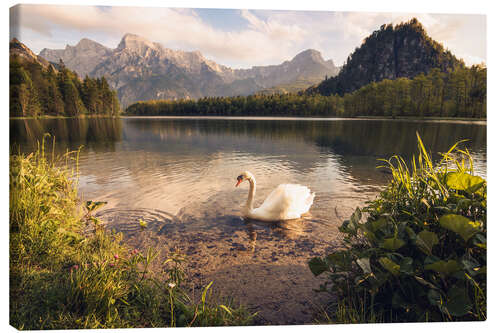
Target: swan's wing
287, 201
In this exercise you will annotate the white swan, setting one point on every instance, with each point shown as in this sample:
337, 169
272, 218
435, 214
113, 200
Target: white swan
287, 201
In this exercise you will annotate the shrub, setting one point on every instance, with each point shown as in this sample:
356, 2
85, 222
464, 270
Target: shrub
420, 253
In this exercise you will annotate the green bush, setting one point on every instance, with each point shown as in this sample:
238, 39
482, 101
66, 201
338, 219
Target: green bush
67, 271
420, 253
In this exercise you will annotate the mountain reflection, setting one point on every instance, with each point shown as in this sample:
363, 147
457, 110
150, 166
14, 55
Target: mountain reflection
355, 145
186, 168
381, 138
99, 134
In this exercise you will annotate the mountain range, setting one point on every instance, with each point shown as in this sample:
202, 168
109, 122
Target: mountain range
143, 70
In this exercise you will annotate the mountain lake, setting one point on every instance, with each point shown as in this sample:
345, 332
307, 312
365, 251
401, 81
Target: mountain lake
179, 174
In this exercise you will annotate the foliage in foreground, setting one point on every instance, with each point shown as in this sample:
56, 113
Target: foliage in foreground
420, 255
62, 278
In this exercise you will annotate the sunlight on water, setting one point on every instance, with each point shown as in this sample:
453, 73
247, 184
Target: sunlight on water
187, 167
179, 175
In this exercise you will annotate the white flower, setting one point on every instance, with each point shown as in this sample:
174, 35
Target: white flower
171, 285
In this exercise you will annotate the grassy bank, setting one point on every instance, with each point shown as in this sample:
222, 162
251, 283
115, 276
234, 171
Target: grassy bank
418, 251
68, 272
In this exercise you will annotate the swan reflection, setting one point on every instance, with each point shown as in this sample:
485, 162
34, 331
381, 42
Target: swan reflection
291, 229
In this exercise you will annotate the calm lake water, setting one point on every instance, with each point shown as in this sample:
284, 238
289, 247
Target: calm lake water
179, 175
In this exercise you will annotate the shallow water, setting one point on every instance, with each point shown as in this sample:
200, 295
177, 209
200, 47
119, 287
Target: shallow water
178, 174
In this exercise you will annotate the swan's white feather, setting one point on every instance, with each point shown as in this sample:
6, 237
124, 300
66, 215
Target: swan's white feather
287, 201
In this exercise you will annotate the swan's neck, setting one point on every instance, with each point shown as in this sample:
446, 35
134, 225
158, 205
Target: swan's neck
251, 193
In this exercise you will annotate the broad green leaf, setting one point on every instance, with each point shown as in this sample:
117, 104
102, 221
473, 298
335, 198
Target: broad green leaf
356, 216
460, 224
444, 267
348, 227
458, 302
464, 181
426, 240
406, 265
377, 224
364, 263
411, 234
370, 235
317, 266
392, 243
341, 260
351, 226
390, 265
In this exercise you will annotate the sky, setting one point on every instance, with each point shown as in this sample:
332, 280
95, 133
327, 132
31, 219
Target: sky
237, 38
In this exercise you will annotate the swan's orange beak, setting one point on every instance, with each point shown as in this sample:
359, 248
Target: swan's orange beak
239, 182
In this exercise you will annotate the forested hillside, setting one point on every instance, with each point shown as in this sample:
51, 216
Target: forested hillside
404, 50
38, 88
458, 93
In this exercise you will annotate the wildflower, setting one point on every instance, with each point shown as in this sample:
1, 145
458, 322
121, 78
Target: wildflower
111, 264
171, 285
116, 256
73, 267
134, 252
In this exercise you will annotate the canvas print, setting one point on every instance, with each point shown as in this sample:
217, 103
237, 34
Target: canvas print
183, 167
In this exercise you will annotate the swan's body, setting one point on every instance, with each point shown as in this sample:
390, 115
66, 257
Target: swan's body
285, 202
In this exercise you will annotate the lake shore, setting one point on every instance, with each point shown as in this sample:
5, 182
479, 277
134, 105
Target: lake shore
462, 119
419, 119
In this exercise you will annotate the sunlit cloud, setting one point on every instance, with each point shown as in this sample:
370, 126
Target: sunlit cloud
267, 37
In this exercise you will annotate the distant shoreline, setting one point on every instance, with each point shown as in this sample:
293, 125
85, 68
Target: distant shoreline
445, 119
478, 121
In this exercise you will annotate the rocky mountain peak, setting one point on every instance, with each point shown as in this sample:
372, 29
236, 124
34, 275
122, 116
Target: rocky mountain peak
312, 56
309, 54
140, 69
136, 43
88, 44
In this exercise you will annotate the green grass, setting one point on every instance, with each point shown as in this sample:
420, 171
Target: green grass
419, 251
68, 272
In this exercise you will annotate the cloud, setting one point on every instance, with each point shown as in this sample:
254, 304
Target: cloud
269, 37
263, 42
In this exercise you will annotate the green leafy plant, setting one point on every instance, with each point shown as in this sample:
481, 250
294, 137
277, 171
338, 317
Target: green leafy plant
420, 252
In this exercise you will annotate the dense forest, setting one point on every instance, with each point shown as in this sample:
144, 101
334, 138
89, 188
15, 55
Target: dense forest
458, 93
392, 52
37, 90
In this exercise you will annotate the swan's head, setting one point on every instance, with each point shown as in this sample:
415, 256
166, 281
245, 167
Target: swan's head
246, 175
